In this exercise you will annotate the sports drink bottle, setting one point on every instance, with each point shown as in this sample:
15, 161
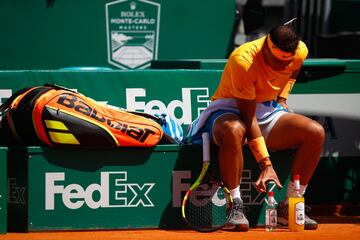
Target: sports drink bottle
296, 208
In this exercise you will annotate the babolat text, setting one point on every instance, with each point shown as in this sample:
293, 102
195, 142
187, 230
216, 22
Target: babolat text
71, 101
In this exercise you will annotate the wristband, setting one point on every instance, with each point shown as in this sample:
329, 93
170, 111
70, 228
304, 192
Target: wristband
264, 163
258, 148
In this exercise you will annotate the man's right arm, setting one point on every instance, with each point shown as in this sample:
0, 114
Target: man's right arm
247, 110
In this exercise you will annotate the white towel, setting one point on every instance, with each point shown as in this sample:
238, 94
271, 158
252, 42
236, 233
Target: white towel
264, 112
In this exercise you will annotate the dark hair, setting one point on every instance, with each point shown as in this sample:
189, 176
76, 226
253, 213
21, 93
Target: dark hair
284, 37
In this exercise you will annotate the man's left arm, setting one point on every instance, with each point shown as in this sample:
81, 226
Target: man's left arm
285, 92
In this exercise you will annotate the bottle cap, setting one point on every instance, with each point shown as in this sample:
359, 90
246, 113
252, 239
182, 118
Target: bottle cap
270, 194
296, 177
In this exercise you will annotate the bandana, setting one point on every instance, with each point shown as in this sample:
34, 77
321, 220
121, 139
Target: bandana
277, 52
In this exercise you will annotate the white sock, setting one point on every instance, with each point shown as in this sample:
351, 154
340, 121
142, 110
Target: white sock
290, 191
235, 193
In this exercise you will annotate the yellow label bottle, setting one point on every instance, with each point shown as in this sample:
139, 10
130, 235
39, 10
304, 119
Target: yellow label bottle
296, 208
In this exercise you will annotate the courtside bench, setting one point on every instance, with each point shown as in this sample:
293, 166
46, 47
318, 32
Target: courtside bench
126, 188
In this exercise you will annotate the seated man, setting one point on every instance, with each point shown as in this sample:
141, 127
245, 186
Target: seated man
249, 105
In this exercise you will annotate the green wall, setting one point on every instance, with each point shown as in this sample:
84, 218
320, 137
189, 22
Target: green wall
74, 33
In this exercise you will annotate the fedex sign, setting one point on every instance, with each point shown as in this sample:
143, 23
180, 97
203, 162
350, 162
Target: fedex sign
192, 98
113, 191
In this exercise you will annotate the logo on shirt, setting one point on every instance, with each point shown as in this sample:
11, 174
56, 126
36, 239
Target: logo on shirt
272, 80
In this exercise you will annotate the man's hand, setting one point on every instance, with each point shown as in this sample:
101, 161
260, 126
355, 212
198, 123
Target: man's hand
282, 101
266, 175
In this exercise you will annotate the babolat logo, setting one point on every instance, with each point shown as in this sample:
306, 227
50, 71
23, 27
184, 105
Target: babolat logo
113, 191
137, 133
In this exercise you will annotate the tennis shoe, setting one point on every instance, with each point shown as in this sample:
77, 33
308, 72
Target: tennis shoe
283, 217
237, 220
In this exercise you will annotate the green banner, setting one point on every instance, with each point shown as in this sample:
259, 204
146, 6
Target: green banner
118, 34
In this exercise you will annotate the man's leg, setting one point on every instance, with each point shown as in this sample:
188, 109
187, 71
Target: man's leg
293, 130
228, 133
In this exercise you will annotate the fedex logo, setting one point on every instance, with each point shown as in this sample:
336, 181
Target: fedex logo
192, 98
113, 191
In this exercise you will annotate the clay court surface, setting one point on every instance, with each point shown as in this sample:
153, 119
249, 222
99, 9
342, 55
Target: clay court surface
334, 228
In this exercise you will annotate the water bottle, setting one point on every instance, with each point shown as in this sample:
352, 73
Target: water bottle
270, 213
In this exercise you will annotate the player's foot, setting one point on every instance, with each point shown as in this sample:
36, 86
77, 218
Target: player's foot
237, 221
283, 218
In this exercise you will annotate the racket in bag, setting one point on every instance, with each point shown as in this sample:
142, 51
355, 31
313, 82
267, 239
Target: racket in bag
56, 116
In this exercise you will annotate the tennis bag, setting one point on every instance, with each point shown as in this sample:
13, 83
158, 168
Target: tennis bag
55, 116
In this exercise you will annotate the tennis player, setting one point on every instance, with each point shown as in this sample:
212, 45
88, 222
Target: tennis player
249, 106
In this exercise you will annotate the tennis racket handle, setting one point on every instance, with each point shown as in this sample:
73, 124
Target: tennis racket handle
206, 146
271, 186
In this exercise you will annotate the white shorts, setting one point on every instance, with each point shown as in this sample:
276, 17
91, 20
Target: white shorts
267, 127
267, 114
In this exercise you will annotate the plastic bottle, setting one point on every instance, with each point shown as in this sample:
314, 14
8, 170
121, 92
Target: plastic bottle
270, 213
296, 208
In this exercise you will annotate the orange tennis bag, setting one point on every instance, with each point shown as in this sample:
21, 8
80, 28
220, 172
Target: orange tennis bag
57, 116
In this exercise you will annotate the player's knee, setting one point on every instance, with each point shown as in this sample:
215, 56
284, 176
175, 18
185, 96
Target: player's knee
234, 130
316, 134
231, 132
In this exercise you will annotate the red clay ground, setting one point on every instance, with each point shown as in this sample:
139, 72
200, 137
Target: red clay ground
331, 228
